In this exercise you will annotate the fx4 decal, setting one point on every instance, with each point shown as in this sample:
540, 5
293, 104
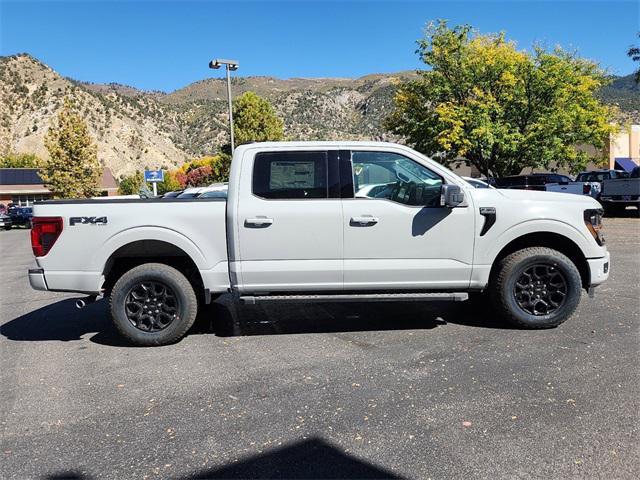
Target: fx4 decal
87, 221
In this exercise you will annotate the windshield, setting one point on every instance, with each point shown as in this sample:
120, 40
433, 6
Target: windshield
593, 177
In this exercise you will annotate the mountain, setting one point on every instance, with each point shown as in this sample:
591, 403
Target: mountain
135, 129
625, 93
131, 131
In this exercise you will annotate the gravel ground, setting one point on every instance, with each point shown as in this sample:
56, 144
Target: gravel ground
322, 391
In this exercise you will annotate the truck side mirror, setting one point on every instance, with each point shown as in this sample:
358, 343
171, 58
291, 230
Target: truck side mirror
451, 196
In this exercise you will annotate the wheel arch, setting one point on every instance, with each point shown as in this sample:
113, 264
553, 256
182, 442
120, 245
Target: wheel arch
138, 252
553, 240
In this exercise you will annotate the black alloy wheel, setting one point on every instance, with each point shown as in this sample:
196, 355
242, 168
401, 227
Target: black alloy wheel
151, 306
536, 287
541, 289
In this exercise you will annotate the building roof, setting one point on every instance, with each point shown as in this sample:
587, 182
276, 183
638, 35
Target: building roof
20, 176
108, 181
27, 180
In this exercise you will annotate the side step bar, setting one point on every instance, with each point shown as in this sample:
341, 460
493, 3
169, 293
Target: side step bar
363, 297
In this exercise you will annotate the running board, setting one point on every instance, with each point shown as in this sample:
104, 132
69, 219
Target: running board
363, 297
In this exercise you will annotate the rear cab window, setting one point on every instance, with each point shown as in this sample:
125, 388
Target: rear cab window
290, 175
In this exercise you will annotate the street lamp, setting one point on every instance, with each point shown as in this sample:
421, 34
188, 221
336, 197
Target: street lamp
232, 65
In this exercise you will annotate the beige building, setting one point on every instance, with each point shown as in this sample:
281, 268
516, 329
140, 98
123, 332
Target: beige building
625, 146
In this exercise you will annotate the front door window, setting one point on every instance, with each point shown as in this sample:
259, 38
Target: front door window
394, 177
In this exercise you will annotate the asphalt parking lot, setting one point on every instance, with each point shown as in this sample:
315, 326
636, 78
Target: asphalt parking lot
325, 391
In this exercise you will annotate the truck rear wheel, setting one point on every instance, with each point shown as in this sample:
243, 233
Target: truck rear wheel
536, 287
153, 304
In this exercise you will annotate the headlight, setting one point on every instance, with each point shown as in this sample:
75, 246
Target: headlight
593, 221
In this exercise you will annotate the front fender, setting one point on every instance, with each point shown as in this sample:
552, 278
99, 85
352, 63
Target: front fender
490, 248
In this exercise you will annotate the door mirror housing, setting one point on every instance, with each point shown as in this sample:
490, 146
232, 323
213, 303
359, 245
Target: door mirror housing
451, 196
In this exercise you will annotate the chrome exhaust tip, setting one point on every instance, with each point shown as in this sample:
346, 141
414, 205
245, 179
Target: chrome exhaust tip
83, 302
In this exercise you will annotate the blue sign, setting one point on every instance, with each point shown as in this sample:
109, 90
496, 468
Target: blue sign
154, 176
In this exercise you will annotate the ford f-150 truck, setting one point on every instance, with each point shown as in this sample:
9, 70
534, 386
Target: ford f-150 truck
323, 221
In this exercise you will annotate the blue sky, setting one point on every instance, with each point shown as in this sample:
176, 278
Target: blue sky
166, 45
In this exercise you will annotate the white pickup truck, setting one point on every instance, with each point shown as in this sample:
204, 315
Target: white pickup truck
620, 193
323, 221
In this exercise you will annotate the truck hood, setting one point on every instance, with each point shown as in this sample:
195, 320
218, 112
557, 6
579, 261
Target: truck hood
553, 197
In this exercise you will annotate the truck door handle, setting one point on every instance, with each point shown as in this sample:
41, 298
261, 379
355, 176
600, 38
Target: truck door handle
363, 220
258, 222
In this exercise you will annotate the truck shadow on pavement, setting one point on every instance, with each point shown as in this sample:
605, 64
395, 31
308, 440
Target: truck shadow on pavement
62, 321
313, 458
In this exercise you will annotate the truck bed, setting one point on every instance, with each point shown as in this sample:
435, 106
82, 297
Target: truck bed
93, 227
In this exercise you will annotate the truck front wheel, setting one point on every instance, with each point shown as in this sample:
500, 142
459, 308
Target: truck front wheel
153, 304
536, 287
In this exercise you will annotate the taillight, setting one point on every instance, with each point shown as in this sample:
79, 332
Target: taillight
586, 189
44, 233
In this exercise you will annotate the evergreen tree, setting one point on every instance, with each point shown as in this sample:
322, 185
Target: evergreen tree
72, 170
255, 120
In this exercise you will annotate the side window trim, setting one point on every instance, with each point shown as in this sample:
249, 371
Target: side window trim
346, 174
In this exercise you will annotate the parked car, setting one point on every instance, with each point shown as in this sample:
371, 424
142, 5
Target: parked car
173, 194
550, 182
21, 216
589, 183
5, 221
293, 230
577, 187
191, 192
218, 190
601, 175
620, 193
521, 182
550, 177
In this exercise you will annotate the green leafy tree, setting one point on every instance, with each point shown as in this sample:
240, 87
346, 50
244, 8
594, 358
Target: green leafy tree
498, 108
130, 184
255, 120
72, 170
169, 184
20, 160
634, 54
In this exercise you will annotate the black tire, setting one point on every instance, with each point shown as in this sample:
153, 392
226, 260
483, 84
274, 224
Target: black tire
178, 296
525, 307
7, 227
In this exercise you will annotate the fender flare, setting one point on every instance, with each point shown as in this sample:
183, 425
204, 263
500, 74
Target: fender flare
570, 232
163, 234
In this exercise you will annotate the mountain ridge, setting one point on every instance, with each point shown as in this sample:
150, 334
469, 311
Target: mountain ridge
135, 128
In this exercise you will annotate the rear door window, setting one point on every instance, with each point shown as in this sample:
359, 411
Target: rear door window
290, 175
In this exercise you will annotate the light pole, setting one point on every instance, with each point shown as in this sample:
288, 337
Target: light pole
232, 65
